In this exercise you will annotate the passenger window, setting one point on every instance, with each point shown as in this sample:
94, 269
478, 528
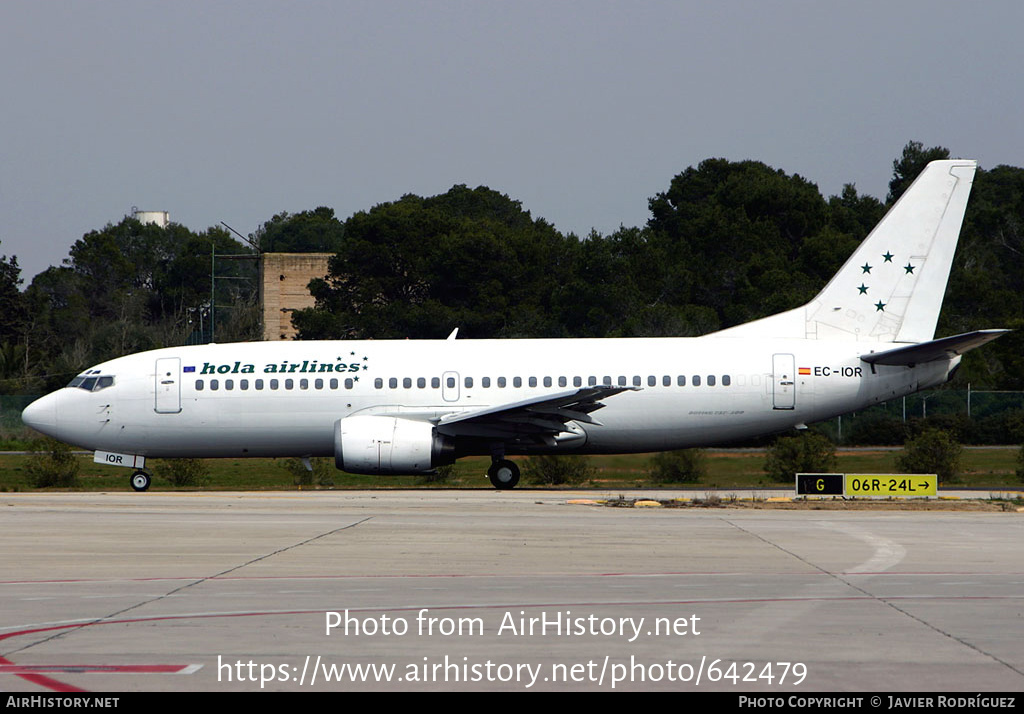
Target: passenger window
577, 381
501, 382
243, 384
289, 383
259, 384
636, 380
711, 380
485, 382
318, 383
421, 382
199, 385
469, 381
303, 384
726, 380
274, 384
681, 380
592, 381
533, 381
229, 384
348, 383
407, 382
696, 380
435, 382
562, 382
214, 385
451, 382
517, 381
622, 380
666, 381
378, 383
393, 383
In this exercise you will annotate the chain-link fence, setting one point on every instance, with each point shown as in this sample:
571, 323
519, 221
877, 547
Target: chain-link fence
975, 416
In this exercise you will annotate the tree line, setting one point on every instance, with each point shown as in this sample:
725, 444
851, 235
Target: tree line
726, 242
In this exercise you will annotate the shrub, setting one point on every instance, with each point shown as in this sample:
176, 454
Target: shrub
683, 466
442, 474
555, 470
301, 476
52, 465
181, 472
805, 453
931, 452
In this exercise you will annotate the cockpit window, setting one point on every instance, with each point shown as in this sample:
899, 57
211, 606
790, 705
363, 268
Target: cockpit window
92, 383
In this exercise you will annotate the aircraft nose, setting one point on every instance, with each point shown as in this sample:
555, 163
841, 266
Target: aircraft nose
41, 415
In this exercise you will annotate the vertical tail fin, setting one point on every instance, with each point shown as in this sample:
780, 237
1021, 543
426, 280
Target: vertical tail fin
891, 288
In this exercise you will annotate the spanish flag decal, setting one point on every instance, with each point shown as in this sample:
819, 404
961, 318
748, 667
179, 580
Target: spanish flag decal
805, 370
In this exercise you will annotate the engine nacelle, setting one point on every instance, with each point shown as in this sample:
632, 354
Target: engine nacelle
389, 445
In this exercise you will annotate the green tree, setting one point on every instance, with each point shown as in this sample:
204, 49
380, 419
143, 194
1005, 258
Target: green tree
910, 163
727, 235
986, 284
316, 231
125, 288
418, 267
13, 312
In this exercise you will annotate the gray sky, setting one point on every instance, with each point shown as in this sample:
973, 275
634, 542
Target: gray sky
582, 110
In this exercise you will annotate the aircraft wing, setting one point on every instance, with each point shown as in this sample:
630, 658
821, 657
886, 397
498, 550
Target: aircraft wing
943, 348
539, 418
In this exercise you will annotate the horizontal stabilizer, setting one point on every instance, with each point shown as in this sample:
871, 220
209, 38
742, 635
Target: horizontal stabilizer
945, 348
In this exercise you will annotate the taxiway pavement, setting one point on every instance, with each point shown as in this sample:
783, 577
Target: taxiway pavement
485, 590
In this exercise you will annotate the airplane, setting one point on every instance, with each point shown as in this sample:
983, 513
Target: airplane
409, 406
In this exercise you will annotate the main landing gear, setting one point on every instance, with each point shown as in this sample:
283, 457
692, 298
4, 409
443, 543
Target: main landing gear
140, 480
504, 474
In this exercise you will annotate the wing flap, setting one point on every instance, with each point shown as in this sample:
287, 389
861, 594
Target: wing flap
540, 417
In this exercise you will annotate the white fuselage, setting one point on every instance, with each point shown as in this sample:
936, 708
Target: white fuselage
283, 399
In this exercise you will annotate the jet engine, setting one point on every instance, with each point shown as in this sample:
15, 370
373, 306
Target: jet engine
389, 445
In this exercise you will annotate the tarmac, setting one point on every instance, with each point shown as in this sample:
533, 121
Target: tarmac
480, 590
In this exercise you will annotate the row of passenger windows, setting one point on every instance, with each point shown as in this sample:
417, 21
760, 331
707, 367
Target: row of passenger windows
696, 380
592, 381
273, 384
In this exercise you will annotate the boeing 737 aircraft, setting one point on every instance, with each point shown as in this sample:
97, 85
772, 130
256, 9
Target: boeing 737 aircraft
406, 407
